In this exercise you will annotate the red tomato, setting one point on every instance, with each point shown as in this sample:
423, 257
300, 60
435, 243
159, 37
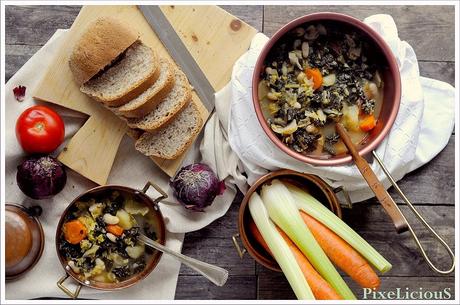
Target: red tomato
40, 129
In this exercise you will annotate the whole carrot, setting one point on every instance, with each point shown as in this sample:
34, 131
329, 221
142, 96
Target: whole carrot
342, 254
320, 287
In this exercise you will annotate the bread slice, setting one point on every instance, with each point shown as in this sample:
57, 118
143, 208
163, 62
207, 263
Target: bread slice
151, 97
123, 81
101, 44
172, 140
168, 108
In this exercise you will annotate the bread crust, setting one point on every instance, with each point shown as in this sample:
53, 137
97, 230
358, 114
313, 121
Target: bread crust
151, 103
134, 91
186, 145
184, 100
103, 41
191, 139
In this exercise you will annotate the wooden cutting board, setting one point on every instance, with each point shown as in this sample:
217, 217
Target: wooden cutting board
215, 38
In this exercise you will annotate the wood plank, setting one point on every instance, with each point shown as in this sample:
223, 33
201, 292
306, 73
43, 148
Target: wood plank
431, 184
206, 40
283, 291
211, 242
437, 23
190, 287
218, 251
21, 20
35, 24
443, 71
251, 14
91, 132
16, 56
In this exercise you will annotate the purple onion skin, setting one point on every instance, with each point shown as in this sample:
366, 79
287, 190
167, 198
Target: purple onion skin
41, 177
195, 186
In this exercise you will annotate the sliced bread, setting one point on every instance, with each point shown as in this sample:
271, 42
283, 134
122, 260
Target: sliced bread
173, 139
168, 108
127, 78
150, 98
100, 45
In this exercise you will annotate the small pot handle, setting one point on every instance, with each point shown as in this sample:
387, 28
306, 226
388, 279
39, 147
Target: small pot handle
66, 290
348, 204
422, 220
158, 189
241, 250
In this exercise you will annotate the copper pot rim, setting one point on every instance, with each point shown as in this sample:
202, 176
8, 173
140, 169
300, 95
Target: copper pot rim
134, 279
318, 181
392, 65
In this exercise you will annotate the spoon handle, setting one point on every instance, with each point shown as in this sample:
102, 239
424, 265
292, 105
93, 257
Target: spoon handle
213, 273
376, 186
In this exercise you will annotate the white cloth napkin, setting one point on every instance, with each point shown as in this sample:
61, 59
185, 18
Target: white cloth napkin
415, 138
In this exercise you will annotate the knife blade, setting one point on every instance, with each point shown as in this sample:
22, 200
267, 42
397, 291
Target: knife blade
178, 51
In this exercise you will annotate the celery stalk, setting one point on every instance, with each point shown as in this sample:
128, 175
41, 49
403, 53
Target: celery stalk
317, 210
283, 211
280, 250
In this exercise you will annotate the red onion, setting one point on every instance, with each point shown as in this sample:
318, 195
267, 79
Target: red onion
195, 186
41, 177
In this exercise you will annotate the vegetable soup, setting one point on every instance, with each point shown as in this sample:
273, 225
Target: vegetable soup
99, 238
315, 76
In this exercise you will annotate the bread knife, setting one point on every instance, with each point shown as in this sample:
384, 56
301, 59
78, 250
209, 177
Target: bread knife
178, 51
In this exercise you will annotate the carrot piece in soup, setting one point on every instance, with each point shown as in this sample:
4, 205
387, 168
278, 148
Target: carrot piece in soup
114, 229
315, 75
367, 122
74, 231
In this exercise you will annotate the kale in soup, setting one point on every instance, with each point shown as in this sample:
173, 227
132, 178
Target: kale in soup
316, 76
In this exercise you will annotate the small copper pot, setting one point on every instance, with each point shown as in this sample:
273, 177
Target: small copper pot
138, 195
390, 76
317, 188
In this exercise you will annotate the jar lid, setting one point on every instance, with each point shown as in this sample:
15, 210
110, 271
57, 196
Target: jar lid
24, 239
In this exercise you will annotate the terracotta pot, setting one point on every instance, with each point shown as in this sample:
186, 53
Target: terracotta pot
390, 76
315, 185
103, 191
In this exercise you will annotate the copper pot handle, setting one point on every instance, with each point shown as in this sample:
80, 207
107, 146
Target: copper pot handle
66, 290
422, 220
348, 204
239, 249
158, 189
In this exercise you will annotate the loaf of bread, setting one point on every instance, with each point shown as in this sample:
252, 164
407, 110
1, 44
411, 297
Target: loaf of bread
149, 92
102, 42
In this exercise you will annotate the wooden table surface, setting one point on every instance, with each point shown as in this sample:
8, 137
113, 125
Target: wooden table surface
430, 30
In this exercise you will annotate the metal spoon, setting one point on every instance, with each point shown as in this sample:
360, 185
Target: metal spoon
213, 273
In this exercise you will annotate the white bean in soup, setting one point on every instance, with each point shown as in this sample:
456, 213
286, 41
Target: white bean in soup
311, 82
